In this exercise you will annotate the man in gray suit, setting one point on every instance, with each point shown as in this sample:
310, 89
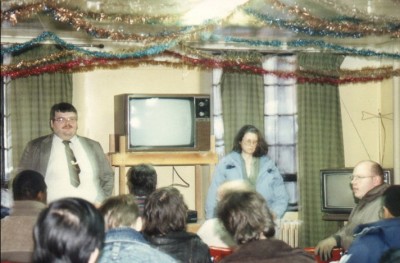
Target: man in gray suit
73, 166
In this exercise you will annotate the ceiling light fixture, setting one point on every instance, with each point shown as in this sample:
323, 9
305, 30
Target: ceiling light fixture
210, 9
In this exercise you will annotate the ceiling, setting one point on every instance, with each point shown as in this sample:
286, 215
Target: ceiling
207, 24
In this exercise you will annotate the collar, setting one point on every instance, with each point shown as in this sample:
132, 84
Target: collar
74, 139
27, 208
124, 234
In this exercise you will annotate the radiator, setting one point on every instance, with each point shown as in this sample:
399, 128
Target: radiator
288, 231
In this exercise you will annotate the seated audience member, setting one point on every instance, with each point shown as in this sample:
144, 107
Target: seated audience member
142, 181
124, 243
373, 239
368, 186
29, 194
68, 230
247, 218
212, 231
164, 226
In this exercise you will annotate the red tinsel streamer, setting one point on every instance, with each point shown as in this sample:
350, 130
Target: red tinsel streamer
80, 65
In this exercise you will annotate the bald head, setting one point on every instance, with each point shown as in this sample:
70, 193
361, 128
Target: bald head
366, 176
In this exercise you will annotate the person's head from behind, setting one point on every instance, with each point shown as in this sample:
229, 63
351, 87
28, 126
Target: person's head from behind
165, 211
64, 120
121, 211
250, 141
366, 175
246, 216
142, 179
29, 185
68, 230
391, 202
233, 185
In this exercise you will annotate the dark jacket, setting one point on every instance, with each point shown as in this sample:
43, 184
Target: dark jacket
372, 240
183, 246
366, 211
268, 251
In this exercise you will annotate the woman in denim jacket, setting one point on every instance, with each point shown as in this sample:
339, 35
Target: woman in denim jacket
249, 161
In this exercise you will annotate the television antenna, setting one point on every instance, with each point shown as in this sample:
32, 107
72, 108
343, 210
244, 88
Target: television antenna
389, 116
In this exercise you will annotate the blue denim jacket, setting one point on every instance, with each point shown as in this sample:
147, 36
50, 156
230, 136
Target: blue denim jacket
125, 245
269, 183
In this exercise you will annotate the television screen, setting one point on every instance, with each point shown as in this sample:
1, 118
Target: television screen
337, 195
163, 122
174, 117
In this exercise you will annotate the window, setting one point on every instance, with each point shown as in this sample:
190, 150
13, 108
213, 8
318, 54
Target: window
280, 120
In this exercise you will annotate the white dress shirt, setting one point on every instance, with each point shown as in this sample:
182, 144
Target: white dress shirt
57, 173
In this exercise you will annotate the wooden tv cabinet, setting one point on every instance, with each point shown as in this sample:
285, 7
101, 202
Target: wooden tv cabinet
123, 159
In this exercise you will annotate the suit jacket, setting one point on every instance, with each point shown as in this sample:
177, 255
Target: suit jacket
37, 154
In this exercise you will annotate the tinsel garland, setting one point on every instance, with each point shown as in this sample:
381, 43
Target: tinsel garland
311, 43
305, 23
313, 21
341, 28
156, 49
149, 51
32, 68
19, 12
224, 61
353, 11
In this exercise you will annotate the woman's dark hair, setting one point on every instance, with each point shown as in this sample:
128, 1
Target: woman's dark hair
62, 107
142, 179
165, 211
262, 147
27, 184
245, 216
68, 231
391, 200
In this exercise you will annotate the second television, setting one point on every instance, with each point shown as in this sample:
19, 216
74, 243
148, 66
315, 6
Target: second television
168, 122
336, 193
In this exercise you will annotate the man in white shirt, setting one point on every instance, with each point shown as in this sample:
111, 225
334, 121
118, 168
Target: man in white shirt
48, 155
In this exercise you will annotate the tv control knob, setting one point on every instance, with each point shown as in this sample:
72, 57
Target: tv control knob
202, 104
201, 114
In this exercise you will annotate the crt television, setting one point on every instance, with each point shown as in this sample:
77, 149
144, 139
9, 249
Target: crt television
155, 122
336, 193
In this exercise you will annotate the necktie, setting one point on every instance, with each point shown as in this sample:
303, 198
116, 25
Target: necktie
73, 166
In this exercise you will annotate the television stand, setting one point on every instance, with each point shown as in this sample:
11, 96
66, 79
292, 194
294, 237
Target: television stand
125, 159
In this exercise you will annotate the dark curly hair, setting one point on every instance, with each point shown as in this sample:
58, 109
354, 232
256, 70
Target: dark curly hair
165, 211
245, 216
142, 179
262, 147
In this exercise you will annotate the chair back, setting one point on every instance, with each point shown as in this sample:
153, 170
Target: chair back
336, 254
217, 253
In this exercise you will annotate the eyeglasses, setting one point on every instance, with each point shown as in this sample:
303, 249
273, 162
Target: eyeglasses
64, 120
250, 142
358, 177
